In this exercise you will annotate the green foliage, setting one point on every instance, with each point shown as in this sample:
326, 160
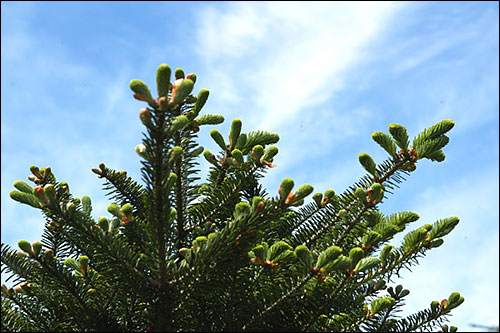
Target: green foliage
142, 92
258, 138
178, 254
235, 132
180, 91
25, 198
163, 80
329, 255
210, 119
386, 142
200, 102
23, 187
430, 141
217, 136
368, 163
399, 134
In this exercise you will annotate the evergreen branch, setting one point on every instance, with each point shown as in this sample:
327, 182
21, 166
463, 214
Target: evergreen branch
83, 232
123, 188
383, 322
304, 214
325, 305
12, 320
224, 247
354, 202
255, 280
179, 199
66, 282
221, 174
18, 266
354, 327
33, 317
399, 263
422, 319
100, 242
229, 313
351, 225
52, 239
110, 299
259, 138
207, 209
159, 174
279, 301
324, 229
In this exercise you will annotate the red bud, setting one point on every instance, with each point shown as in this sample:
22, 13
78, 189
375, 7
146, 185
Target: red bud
145, 116
290, 198
40, 193
140, 97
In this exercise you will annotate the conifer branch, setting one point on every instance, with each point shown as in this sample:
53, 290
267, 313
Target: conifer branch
19, 267
66, 283
420, 320
255, 280
281, 299
221, 174
124, 187
385, 317
325, 305
159, 139
96, 240
310, 241
179, 200
353, 203
232, 186
354, 327
297, 224
229, 313
34, 318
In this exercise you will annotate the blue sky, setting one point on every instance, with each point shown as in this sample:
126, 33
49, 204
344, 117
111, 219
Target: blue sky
323, 75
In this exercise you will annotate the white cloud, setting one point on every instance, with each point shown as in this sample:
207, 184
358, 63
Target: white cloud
304, 51
241, 26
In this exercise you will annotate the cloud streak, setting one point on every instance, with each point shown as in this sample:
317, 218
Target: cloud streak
303, 54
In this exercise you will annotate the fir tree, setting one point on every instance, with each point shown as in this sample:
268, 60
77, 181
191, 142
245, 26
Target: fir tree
174, 254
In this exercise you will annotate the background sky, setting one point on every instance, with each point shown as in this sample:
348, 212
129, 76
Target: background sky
324, 76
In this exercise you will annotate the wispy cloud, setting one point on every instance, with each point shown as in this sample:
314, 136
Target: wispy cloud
304, 51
